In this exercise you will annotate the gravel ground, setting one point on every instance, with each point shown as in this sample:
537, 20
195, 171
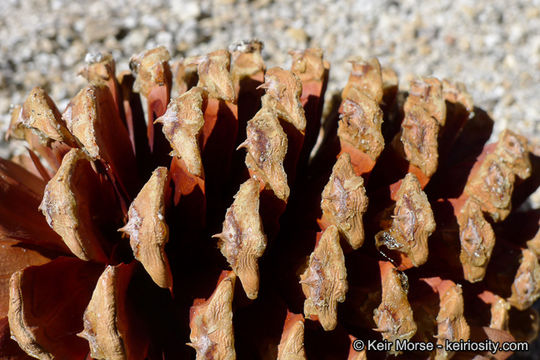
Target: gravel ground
491, 46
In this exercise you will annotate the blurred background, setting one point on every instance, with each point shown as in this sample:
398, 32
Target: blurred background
493, 47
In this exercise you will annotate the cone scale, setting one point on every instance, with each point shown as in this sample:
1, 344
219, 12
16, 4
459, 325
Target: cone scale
206, 209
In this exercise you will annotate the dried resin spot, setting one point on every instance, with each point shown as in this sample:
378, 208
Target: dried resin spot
148, 230
308, 64
492, 186
182, 125
108, 322
412, 223
266, 145
526, 285
513, 151
360, 125
451, 323
419, 137
366, 78
214, 75
324, 282
457, 93
67, 208
246, 60
428, 94
41, 116
283, 91
152, 69
211, 322
242, 240
394, 316
477, 241
344, 201
291, 346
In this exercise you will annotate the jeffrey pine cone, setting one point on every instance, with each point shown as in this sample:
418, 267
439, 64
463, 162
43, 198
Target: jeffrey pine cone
211, 209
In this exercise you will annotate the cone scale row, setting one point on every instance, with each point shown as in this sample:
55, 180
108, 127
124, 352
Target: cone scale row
209, 203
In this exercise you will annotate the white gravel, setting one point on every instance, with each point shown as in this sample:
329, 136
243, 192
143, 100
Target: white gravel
491, 46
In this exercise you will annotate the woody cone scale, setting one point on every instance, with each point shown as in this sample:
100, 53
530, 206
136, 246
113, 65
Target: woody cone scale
212, 208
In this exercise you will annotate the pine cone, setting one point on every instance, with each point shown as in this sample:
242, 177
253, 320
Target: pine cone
211, 203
